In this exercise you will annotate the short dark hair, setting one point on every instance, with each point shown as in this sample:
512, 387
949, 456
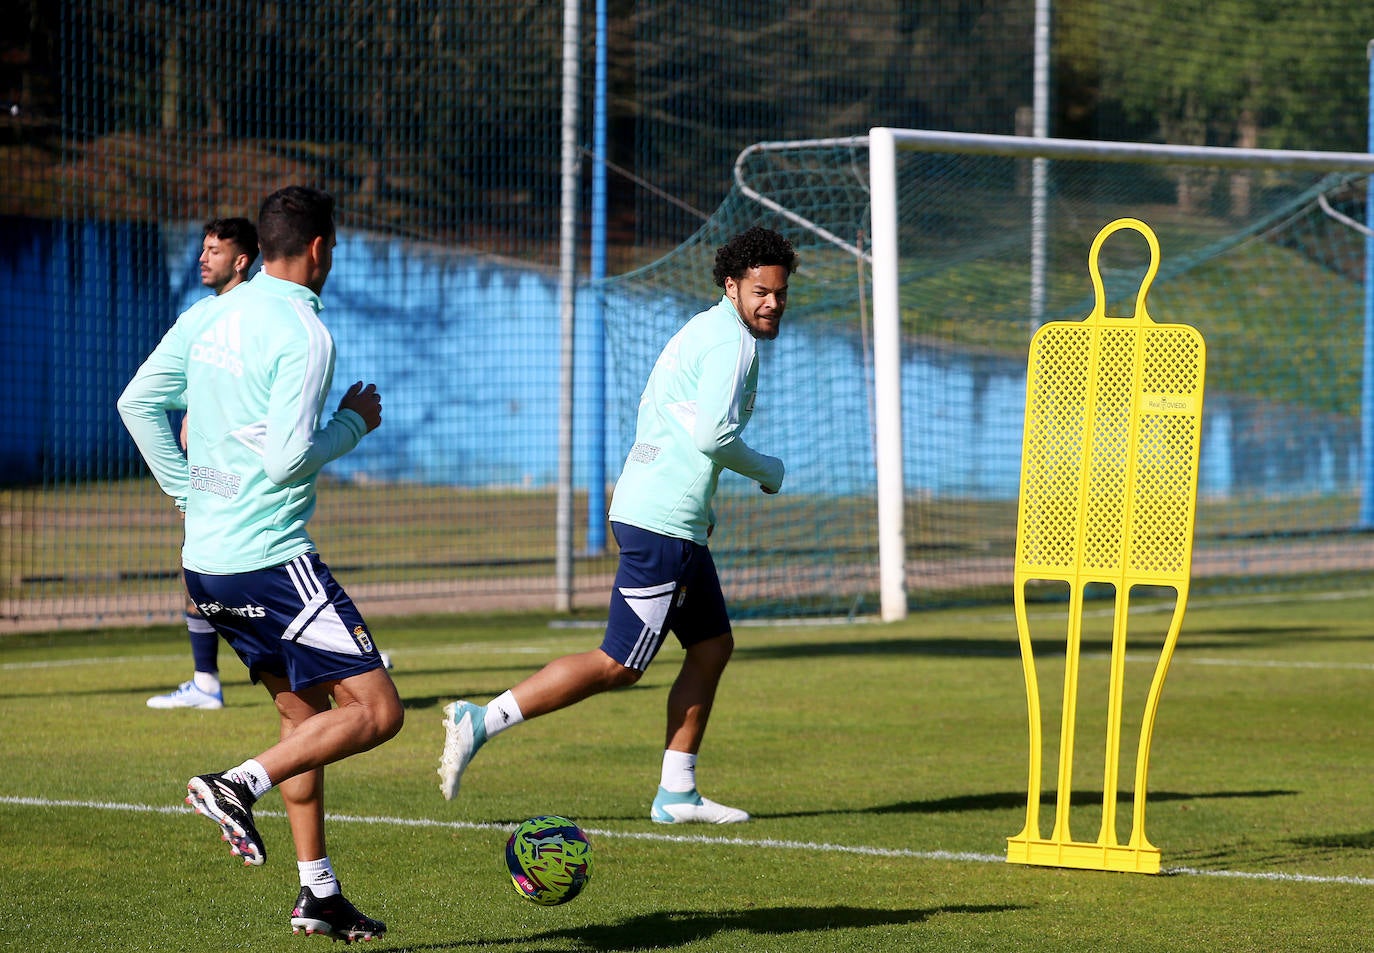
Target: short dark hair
240, 231
293, 217
751, 249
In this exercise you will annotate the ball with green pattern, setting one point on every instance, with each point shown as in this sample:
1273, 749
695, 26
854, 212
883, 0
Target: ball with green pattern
550, 860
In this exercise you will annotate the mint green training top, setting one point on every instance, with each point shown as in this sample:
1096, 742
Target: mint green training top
699, 398
253, 366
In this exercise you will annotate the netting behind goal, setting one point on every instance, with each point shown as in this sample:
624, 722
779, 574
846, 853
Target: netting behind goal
1265, 261
809, 549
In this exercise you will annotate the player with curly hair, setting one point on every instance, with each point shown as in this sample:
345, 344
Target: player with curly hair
698, 400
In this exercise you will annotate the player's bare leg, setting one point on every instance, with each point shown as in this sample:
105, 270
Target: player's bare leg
302, 794
694, 692
568, 680
313, 734
322, 908
366, 712
563, 682
689, 709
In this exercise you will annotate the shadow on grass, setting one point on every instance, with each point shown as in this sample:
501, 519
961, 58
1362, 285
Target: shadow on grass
993, 801
478, 695
1221, 639
466, 684
1285, 854
673, 928
1363, 840
1004, 800
254, 695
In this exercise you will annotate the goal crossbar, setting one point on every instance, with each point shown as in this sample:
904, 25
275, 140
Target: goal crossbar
883, 144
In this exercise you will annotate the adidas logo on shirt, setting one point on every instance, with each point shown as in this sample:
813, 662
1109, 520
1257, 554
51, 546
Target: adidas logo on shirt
220, 346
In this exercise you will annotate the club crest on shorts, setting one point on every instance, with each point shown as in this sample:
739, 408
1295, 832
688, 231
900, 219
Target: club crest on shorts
362, 638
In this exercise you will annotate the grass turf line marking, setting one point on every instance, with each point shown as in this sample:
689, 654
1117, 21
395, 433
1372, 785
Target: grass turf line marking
763, 842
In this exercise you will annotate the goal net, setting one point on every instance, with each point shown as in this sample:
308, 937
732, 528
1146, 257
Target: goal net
903, 472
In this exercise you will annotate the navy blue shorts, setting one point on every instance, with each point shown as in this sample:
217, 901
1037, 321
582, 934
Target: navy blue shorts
293, 621
661, 584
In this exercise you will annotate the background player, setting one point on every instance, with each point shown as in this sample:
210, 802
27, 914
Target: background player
228, 248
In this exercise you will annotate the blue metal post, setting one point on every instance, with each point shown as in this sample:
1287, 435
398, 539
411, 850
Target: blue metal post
596, 325
1367, 390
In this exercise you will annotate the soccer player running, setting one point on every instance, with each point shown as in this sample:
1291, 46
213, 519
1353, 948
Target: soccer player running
256, 366
698, 400
228, 248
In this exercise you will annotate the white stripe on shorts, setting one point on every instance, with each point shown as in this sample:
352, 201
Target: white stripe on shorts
651, 604
317, 624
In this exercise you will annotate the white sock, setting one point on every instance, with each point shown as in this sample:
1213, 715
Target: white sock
254, 775
502, 713
319, 876
207, 682
679, 772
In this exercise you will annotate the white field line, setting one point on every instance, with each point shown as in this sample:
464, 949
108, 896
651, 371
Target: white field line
746, 842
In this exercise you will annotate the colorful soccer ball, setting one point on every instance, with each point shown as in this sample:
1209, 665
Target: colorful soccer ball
549, 859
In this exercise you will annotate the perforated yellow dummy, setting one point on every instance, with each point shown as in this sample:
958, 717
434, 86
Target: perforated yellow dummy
1109, 472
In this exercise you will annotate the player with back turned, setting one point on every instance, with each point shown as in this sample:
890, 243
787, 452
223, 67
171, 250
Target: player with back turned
698, 400
255, 367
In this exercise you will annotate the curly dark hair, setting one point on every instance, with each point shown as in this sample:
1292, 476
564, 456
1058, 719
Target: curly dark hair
752, 249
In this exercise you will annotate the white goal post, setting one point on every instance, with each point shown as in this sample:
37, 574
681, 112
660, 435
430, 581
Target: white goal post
883, 144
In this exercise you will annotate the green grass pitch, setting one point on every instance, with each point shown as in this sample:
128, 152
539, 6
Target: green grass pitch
884, 765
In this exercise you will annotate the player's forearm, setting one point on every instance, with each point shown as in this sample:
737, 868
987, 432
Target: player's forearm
735, 454
300, 457
143, 408
153, 436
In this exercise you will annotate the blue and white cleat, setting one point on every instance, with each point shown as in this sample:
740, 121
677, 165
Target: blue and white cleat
188, 695
689, 807
465, 730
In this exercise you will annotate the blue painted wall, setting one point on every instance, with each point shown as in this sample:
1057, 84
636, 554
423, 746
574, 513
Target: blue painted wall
466, 354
